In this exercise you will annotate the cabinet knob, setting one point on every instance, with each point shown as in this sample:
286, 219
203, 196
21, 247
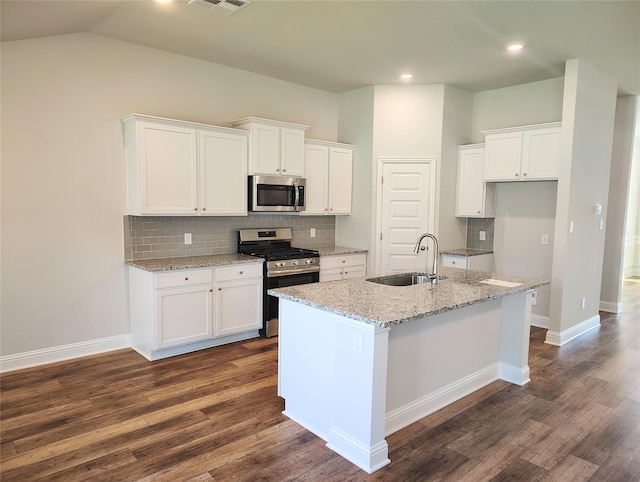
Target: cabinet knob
195, 209
344, 260
211, 290
331, 209
241, 272
204, 209
478, 212
277, 170
186, 279
524, 173
284, 170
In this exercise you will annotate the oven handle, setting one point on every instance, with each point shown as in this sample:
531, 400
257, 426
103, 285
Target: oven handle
274, 273
297, 200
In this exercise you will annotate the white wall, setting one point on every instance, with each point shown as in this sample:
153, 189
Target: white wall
355, 126
632, 234
619, 183
517, 248
588, 116
63, 169
526, 211
526, 104
456, 130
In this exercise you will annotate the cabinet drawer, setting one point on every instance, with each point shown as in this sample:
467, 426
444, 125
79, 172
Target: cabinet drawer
328, 262
172, 279
239, 271
455, 261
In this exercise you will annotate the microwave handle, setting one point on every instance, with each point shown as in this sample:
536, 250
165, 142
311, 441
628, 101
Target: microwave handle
297, 199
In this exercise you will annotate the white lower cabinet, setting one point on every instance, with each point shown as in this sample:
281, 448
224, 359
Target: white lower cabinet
339, 267
175, 312
480, 262
238, 291
184, 315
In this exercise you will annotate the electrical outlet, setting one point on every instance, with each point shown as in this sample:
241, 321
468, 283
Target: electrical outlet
483, 235
357, 343
187, 238
545, 239
570, 227
313, 232
583, 304
534, 298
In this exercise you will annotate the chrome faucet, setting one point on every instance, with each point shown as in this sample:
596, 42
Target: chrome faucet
432, 276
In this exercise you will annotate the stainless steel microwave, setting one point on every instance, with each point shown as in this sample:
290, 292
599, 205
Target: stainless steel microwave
276, 194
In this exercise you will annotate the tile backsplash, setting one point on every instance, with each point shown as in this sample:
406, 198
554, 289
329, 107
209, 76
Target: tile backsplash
147, 237
474, 226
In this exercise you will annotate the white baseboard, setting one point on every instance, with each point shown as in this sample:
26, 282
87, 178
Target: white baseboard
559, 339
515, 375
64, 352
610, 306
414, 411
540, 321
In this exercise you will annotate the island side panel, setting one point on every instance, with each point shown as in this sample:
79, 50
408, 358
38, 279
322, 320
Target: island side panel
332, 375
514, 338
306, 344
360, 381
439, 359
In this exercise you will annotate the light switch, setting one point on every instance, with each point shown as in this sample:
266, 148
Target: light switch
187, 238
545, 239
483, 235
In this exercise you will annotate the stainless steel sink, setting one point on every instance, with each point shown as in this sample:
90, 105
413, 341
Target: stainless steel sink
404, 279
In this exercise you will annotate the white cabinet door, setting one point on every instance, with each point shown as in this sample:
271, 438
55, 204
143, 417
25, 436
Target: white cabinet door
503, 152
265, 149
474, 197
223, 173
183, 315
275, 148
329, 173
340, 180
238, 306
316, 167
292, 152
528, 153
541, 154
183, 168
163, 169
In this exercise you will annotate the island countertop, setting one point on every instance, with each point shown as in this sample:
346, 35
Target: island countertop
384, 305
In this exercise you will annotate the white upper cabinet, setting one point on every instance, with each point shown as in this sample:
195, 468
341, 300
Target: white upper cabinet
529, 153
223, 172
328, 169
183, 168
474, 197
275, 148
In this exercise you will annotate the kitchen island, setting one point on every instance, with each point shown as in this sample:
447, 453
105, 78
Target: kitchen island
359, 360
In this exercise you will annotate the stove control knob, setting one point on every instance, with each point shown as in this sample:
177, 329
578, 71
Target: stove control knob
295, 263
308, 261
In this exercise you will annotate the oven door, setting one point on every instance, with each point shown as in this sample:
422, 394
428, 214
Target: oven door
276, 194
270, 309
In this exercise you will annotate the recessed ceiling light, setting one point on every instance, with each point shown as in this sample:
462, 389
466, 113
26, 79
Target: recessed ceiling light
406, 76
515, 47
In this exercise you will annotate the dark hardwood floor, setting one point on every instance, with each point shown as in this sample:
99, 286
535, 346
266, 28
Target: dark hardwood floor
214, 415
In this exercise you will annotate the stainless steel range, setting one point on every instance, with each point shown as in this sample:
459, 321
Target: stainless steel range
284, 266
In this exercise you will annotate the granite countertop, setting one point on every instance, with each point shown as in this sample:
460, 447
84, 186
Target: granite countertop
339, 250
189, 262
383, 305
465, 252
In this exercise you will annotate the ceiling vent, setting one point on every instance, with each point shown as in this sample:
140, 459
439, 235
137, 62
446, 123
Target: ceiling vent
225, 7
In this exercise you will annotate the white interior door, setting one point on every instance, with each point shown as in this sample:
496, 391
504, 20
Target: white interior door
407, 209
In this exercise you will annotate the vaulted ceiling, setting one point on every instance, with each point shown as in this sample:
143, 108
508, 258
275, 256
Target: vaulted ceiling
342, 45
